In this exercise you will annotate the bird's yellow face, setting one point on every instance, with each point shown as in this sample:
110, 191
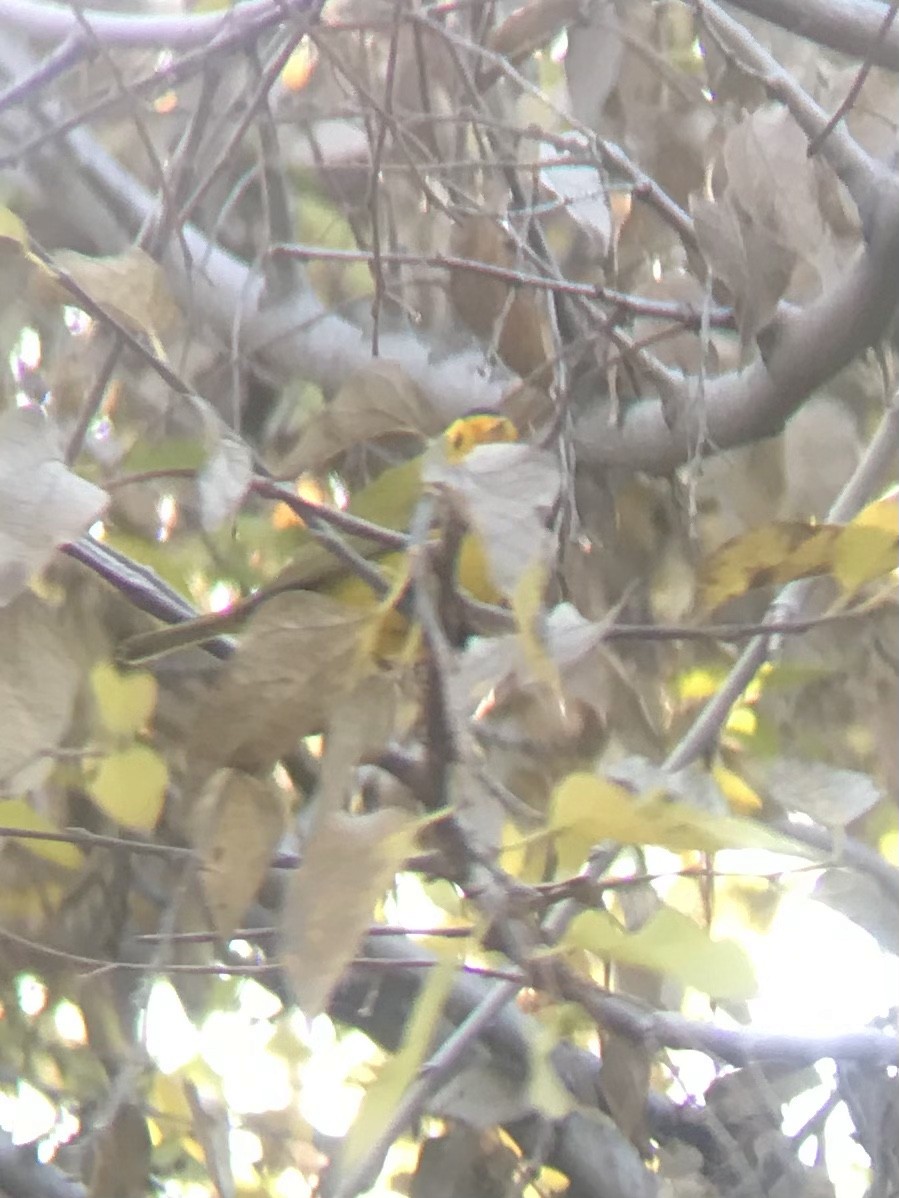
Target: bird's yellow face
478, 428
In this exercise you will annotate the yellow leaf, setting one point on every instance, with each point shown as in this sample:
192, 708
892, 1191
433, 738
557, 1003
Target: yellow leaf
29, 903
854, 554
168, 1100
129, 787
867, 547
399, 1071
883, 513
18, 813
889, 846
740, 796
671, 944
767, 556
298, 68
587, 810
12, 228
524, 857
125, 701
546, 1090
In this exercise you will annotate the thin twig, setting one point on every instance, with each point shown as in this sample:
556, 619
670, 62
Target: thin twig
858, 82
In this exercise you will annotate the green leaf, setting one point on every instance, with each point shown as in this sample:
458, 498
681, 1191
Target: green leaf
396, 1075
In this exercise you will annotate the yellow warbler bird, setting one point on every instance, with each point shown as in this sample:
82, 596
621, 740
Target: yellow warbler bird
389, 503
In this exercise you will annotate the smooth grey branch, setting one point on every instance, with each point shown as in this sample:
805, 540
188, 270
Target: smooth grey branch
39, 19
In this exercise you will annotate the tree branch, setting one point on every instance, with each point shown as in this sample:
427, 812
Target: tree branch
39, 19
803, 348
22, 1173
849, 26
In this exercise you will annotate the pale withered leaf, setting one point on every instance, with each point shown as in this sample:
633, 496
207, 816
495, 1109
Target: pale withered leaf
504, 492
223, 482
43, 504
348, 863
593, 60
831, 796
41, 671
236, 826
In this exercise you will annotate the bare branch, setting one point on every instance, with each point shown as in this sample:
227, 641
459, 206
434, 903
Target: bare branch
850, 26
56, 21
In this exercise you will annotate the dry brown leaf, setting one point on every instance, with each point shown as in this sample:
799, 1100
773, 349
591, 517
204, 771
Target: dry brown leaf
237, 824
42, 503
121, 1163
132, 286
767, 219
861, 899
376, 401
300, 654
531, 26
479, 1096
504, 492
348, 863
482, 301
624, 1083
479, 298
572, 644
211, 1128
771, 178
750, 261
